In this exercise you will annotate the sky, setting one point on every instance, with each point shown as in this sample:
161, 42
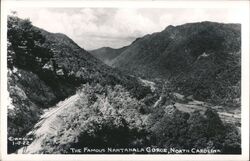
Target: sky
93, 28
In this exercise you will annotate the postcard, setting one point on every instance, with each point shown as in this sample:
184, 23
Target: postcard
124, 80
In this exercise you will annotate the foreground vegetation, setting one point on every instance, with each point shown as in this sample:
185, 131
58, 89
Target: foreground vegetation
109, 117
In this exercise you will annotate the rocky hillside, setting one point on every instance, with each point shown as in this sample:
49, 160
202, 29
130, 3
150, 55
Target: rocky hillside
107, 54
200, 59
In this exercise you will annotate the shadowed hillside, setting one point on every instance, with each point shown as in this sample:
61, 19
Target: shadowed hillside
107, 54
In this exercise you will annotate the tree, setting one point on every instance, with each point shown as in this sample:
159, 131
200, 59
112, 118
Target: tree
25, 45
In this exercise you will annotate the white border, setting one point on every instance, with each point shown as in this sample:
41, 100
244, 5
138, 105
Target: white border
241, 5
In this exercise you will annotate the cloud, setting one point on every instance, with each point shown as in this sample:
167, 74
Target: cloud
93, 28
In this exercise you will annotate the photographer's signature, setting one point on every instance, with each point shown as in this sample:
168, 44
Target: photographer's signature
20, 141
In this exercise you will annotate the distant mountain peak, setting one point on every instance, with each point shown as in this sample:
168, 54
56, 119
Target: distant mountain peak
169, 27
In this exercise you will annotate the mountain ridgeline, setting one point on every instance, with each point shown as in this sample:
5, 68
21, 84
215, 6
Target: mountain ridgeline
107, 54
199, 59
63, 97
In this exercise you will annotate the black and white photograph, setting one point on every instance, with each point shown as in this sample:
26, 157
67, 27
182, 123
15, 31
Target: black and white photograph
124, 80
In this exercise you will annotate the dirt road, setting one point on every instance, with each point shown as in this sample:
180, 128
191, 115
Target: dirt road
48, 124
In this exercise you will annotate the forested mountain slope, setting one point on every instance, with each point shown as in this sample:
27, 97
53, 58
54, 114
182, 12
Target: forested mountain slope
107, 54
44, 68
200, 59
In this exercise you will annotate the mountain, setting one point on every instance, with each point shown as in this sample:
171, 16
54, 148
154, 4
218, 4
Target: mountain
107, 54
195, 57
45, 68
175, 49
